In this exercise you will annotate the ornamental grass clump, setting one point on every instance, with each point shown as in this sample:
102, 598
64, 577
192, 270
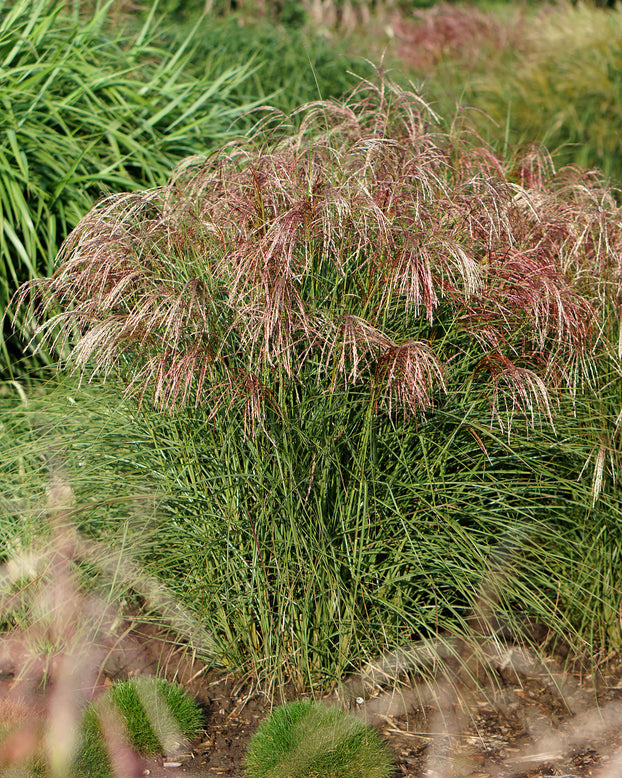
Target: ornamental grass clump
371, 369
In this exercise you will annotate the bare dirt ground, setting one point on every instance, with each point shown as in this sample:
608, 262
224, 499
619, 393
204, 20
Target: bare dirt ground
524, 718
528, 719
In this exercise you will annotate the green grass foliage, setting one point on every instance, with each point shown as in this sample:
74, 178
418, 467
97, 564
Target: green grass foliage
88, 111
400, 533
307, 739
289, 66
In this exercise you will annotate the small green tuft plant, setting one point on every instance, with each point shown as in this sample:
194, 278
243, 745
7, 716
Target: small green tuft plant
155, 715
143, 700
310, 739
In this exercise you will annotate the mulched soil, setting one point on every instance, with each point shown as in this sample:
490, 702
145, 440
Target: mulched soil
528, 719
524, 718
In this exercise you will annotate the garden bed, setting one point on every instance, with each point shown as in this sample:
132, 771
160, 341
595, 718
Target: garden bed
488, 731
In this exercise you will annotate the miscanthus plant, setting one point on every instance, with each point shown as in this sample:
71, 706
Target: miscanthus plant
356, 351
89, 109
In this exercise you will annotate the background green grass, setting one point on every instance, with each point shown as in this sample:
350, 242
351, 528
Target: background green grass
544, 73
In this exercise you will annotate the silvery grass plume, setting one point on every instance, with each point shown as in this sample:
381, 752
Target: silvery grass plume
352, 244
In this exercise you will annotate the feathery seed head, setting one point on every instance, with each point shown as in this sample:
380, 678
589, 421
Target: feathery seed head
362, 247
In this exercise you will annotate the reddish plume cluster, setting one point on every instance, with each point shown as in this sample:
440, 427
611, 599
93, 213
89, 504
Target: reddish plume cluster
448, 31
352, 244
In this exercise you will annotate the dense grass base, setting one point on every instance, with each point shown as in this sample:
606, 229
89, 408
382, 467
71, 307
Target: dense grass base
301, 562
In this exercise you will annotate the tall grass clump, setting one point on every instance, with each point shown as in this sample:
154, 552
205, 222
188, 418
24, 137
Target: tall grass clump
563, 89
89, 111
363, 356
